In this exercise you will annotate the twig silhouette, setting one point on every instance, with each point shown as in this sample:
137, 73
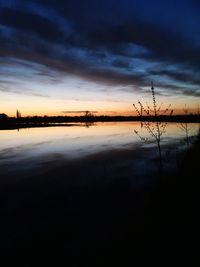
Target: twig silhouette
155, 129
184, 126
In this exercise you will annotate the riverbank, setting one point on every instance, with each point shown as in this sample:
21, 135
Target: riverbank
36, 121
175, 212
17, 126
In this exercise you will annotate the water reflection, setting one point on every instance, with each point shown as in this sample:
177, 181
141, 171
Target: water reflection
155, 131
69, 188
103, 150
186, 129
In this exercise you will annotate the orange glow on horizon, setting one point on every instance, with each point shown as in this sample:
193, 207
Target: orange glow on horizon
177, 111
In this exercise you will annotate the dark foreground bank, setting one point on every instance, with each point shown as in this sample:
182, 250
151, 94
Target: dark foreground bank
179, 225
107, 224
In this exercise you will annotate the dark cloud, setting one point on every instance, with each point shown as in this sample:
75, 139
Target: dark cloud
169, 89
186, 77
189, 92
196, 3
29, 22
125, 64
162, 44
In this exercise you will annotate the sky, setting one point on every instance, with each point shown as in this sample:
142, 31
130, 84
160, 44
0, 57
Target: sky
98, 55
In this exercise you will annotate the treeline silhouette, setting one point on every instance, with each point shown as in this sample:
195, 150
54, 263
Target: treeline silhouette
43, 121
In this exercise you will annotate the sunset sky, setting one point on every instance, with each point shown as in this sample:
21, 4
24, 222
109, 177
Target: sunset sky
101, 55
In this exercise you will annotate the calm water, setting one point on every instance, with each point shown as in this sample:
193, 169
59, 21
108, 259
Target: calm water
74, 193
103, 149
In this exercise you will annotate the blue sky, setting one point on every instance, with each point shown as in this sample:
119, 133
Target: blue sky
97, 55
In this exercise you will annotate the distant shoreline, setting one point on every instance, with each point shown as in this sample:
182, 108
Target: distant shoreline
32, 122
16, 126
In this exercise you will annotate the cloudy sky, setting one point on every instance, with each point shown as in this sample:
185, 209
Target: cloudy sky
97, 54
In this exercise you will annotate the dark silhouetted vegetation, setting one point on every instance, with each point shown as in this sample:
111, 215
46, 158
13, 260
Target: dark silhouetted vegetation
156, 128
185, 127
45, 121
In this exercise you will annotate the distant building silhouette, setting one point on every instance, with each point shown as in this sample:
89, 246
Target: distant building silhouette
18, 114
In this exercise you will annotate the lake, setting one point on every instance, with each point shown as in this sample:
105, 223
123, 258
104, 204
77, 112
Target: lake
72, 190
103, 148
